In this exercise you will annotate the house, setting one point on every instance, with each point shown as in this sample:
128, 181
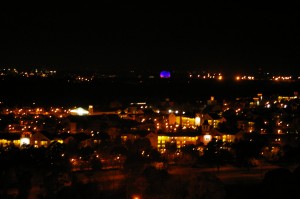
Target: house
83, 139
62, 138
80, 139
246, 124
133, 135
40, 139
184, 120
213, 119
153, 139
208, 133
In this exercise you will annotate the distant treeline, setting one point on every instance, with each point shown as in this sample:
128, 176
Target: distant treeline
102, 91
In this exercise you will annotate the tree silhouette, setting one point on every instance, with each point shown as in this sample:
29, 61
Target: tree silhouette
171, 149
189, 154
246, 150
212, 153
138, 155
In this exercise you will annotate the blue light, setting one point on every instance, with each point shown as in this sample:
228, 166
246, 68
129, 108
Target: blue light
165, 74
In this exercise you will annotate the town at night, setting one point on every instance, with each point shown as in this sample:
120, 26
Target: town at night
86, 136
149, 102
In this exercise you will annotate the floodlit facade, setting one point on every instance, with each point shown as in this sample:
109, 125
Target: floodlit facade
180, 140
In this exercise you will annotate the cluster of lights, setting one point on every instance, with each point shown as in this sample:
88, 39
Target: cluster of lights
37, 111
167, 127
84, 79
7, 71
244, 78
36, 122
142, 107
179, 141
176, 111
274, 78
18, 128
281, 78
218, 76
36, 72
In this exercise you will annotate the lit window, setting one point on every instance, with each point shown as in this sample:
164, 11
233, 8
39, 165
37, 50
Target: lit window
44, 143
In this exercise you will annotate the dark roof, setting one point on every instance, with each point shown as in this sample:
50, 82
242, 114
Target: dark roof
243, 118
214, 116
63, 135
77, 136
189, 114
104, 117
10, 136
128, 123
101, 136
180, 134
205, 122
141, 133
46, 134
76, 118
81, 136
148, 111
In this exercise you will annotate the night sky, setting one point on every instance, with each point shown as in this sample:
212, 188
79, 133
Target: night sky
224, 38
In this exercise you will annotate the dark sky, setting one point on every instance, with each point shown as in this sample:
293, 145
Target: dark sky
223, 38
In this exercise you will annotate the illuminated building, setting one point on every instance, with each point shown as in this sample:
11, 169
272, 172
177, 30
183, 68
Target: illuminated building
79, 111
25, 138
39, 139
73, 127
197, 120
212, 101
91, 110
180, 139
226, 137
206, 139
213, 119
172, 119
246, 125
183, 120
165, 74
141, 134
7, 139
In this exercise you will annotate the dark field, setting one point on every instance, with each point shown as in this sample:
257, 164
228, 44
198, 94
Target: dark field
102, 91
